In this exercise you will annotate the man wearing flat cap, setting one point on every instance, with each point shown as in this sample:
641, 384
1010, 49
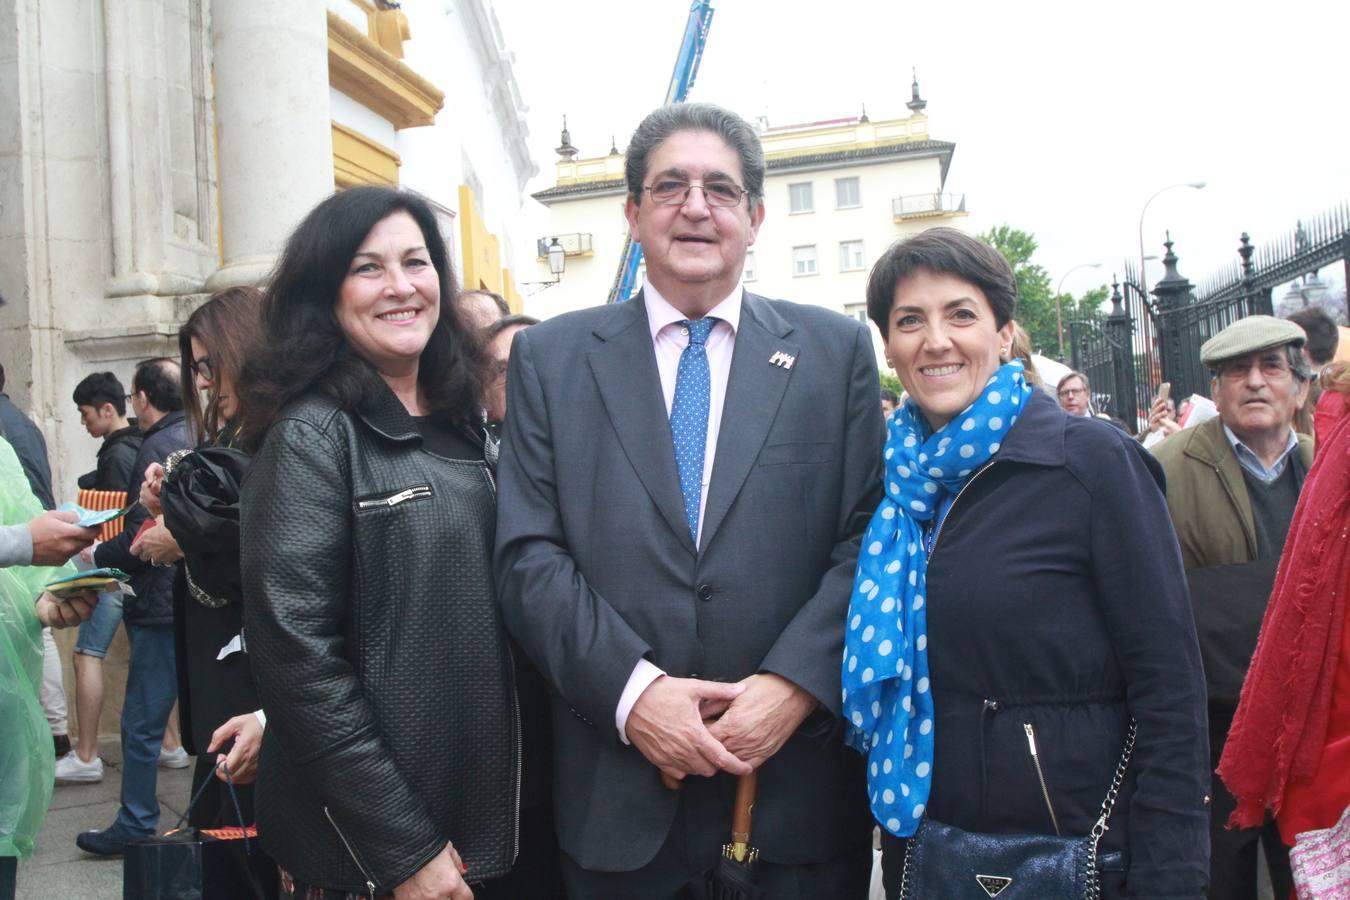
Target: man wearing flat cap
1232, 484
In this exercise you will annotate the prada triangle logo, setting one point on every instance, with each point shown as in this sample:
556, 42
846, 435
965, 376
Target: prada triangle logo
993, 884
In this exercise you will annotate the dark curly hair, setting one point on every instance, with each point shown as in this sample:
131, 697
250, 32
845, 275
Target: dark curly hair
305, 348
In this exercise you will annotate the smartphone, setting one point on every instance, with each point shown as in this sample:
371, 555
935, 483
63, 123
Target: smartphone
1164, 391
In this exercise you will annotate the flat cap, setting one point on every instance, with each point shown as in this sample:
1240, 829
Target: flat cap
1250, 335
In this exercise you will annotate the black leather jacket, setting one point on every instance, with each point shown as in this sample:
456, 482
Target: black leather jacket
378, 652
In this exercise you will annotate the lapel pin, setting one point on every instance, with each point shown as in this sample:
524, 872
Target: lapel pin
782, 360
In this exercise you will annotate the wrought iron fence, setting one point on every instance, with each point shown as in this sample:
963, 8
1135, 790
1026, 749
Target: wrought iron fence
1148, 340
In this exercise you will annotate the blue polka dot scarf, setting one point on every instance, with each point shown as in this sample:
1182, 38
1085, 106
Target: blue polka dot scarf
887, 701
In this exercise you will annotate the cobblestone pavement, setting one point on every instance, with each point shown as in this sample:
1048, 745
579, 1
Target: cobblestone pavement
61, 870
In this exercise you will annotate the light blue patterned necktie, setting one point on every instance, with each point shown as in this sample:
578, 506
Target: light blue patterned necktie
689, 416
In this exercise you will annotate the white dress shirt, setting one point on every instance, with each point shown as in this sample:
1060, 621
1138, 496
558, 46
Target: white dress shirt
669, 340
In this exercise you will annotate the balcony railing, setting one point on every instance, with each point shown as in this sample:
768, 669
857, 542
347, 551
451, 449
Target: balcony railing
575, 244
914, 206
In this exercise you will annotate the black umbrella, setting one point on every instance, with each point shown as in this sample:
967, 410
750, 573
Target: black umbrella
734, 877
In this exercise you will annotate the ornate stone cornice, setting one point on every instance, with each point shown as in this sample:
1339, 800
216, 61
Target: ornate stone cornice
361, 69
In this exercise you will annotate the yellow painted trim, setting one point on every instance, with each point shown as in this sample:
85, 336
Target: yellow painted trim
481, 257
359, 160
787, 144
910, 217
389, 29
361, 69
514, 301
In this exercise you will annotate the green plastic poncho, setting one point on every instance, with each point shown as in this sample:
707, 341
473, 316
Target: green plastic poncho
26, 759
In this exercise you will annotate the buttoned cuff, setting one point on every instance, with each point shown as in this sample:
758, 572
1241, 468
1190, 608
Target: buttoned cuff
644, 673
261, 717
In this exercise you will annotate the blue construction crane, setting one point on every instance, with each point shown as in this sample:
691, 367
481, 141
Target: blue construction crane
681, 80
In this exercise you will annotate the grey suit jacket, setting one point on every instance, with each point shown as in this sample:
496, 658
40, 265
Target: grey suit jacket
596, 568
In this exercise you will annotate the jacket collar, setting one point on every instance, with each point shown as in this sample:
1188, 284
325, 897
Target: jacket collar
382, 412
169, 418
1208, 445
131, 432
1037, 437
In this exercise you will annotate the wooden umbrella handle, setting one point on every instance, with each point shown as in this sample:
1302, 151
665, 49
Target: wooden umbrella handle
745, 805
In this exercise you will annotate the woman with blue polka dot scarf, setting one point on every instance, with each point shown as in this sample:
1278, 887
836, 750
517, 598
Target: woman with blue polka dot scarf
1019, 598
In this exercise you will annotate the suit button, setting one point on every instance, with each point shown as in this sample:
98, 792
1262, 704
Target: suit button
705, 592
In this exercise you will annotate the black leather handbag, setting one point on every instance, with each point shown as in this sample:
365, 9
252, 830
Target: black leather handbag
946, 863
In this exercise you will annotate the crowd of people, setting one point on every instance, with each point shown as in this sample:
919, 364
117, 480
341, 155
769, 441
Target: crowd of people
461, 604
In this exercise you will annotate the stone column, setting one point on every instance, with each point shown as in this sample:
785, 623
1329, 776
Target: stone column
273, 128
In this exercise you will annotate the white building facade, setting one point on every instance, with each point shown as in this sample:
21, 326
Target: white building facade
152, 151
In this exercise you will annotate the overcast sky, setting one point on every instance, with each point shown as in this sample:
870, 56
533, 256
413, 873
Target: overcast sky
1066, 116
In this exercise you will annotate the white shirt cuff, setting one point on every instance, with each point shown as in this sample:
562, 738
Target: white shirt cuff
644, 673
261, 717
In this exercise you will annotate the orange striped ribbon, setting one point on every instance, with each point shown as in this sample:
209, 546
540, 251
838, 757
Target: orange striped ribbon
101, 500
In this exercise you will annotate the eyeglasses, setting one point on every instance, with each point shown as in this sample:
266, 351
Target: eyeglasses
1071, 392
672, 192
202, 367
1236, 369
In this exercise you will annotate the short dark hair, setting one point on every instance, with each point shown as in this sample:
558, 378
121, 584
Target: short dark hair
158, 379
662, 123
944, 251
502, 306
100, 388
304, 346
505, 322
1323, 335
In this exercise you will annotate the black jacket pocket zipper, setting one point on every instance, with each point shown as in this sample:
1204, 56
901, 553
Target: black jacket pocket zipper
365, 873
1040, 775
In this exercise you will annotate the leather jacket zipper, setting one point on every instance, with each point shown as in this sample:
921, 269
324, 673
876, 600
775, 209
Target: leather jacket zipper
1040, 776
515, 705
416, 492
365, 873
520, 751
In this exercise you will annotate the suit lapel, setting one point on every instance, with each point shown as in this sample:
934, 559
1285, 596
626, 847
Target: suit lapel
624, 366
755, 389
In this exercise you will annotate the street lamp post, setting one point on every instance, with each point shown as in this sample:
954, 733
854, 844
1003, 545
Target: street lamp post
557, 262
1059, 311
1143, 277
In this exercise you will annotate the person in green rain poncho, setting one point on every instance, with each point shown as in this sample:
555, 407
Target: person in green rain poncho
30, 540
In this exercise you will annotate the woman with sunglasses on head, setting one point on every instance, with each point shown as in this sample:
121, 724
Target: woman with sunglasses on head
1019, 602
197, 506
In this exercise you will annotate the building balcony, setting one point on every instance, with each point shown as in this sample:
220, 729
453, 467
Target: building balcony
919, 206
574, 244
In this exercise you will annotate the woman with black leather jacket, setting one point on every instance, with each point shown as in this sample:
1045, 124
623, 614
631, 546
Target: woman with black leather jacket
391, 763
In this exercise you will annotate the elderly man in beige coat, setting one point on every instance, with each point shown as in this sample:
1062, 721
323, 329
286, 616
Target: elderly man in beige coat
1232, 484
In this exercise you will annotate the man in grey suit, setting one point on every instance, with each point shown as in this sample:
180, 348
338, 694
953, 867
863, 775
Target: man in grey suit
684, 482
